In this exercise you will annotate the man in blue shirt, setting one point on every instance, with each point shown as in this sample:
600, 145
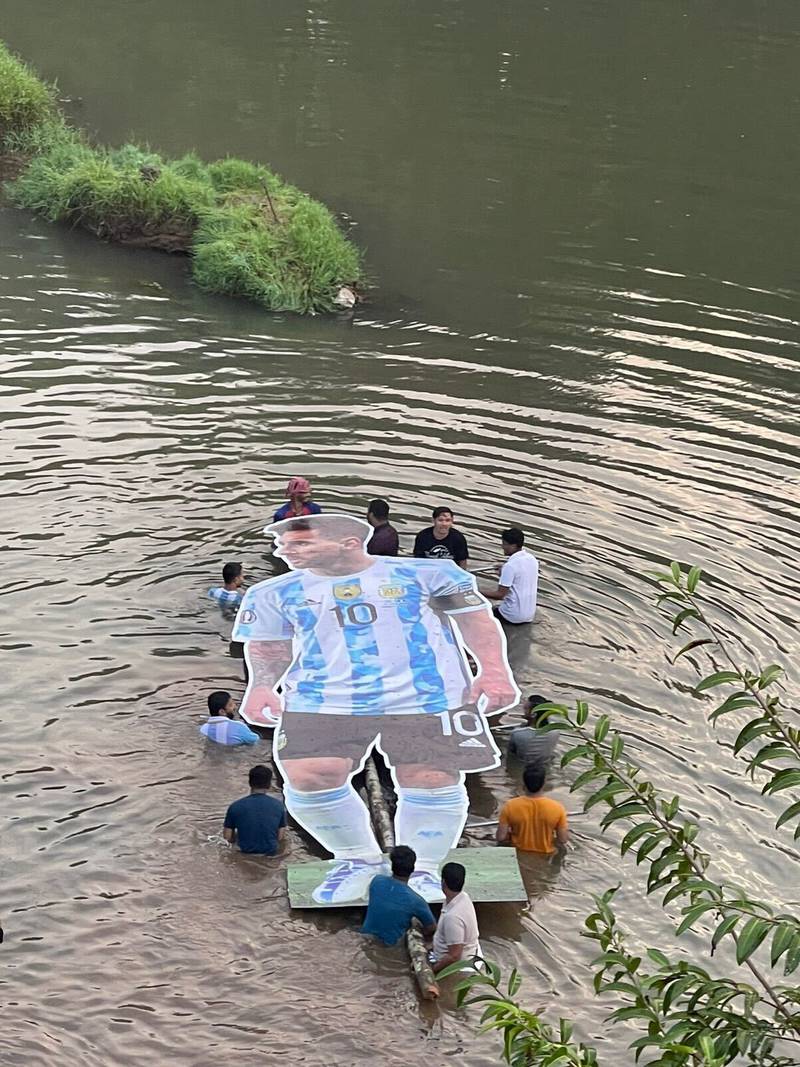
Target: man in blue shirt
257, 823
221, 725
393, 904
229, 594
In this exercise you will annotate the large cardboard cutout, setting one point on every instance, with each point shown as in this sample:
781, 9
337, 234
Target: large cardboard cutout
372, 651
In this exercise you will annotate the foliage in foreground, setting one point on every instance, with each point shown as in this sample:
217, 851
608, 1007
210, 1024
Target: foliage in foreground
250, 234
748, 1013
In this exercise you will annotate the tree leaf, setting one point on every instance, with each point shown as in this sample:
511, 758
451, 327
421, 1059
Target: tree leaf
720, 678
750, 731
632, 836
579, 752
790, 813
783, 780
658, 957
725, 927
675, 570
693, 913
769, 674
610, 789
692, 578
682, 616
785, 936
692, 644
750, 937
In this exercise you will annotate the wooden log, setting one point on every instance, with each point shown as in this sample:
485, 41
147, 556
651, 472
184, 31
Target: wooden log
423, 972
381, 820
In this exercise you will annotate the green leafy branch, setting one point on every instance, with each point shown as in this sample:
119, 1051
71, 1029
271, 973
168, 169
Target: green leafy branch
527, 1039
772, 724
667, 840
689, 1016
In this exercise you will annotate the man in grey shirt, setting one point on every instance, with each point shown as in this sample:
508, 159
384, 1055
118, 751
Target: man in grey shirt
531, 744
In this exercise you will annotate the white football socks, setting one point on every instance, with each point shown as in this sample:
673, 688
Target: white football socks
430, 821
338, 819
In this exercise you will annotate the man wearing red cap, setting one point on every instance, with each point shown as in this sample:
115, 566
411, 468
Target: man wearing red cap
298, 493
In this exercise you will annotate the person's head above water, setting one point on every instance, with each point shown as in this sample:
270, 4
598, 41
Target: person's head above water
533, 778
443, 519
260, 778
403, 860
536, 718
453, 877
298, 488
325, 544
377, 512
232, 575
220, 703
512, 540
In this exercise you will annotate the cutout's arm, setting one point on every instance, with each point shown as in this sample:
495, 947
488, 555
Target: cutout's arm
268, 662
484, 638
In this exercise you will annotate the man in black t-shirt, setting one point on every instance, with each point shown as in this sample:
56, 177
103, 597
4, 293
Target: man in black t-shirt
442, 540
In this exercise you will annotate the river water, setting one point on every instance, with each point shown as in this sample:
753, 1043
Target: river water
581, 224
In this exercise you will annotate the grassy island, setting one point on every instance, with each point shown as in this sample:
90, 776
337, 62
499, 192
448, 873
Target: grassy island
249, 233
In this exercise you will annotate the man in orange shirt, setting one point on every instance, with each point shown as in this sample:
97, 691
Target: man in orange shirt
533, 823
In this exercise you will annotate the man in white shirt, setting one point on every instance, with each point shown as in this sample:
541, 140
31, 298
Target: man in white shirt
456, 936
518, 581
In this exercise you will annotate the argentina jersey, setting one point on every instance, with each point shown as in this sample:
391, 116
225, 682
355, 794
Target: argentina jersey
375, 642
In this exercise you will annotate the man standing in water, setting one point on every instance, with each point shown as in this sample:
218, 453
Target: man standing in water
518, 581
384, 540
372, 651
442, 540
299, 502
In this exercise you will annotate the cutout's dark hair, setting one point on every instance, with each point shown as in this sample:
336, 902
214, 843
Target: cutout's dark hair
403, 860
260, 777
442, 511
513, 536
539, 717
378, 508
533, 777
217, 702
454, 875
231, 571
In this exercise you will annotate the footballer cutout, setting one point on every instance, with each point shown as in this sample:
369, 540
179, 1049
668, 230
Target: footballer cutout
372, 651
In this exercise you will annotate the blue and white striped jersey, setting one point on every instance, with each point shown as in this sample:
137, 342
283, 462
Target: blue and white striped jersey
376, 642
226, 598
227, 731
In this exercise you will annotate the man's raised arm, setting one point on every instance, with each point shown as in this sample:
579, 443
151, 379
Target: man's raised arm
267, 663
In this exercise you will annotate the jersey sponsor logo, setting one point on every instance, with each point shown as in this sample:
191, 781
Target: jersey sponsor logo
391, 592
347, 590
471, 743
282, 740
439, 552
247, 617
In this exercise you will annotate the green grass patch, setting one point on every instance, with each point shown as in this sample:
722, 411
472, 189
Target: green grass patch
249, 233
25, 100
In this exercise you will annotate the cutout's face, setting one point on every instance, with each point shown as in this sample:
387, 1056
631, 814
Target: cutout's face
230, 708
442, 524
301, 498
304, 549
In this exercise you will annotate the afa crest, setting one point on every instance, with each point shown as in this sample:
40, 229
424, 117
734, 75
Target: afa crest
347, 590
391, 592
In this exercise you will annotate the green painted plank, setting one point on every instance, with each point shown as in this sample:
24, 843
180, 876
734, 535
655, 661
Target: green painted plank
492, 875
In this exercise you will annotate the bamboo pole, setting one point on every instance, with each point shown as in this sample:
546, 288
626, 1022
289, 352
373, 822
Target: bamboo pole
423, 972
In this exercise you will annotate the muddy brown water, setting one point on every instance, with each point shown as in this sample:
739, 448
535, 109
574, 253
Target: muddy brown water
581, 220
